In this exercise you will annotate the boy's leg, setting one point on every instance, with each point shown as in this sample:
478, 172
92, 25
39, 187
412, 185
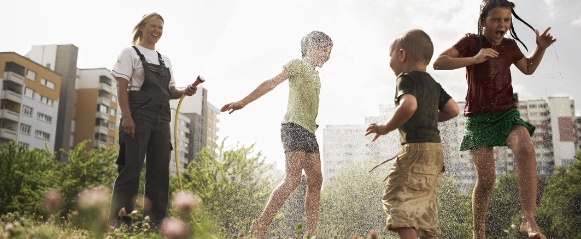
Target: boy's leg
483, 160
292, 179
312, 167
519, 141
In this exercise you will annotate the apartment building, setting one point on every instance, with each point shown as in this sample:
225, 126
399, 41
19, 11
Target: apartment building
61, 59
96, 109
212, 129
29, 102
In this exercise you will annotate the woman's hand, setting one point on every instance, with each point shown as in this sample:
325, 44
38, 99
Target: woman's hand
234, 106
190, 90
128, 126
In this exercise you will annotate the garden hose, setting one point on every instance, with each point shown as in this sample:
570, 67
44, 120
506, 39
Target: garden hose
198, 81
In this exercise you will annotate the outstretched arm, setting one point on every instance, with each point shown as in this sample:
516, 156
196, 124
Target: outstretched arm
449, 111
262, 89
528, 65
450, 60
406, 109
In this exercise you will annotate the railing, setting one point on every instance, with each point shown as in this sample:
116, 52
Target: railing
11, 95
8, 134
11, 76
9, 114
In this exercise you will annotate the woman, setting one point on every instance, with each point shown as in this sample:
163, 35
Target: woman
145, 86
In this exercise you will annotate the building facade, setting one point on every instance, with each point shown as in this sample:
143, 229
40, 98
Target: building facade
96, 110
29, 102
61, 59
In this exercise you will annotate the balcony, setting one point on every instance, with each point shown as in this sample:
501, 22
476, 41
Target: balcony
11, 95
105, 87
97, 143
103, 101
101, 115
8, 134
101, 129
11, 76
9, 115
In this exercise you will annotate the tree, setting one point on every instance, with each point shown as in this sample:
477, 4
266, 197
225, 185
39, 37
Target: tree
25, 175
454, 211
351, 202
559, 213
504, 204
84, 170
233, 188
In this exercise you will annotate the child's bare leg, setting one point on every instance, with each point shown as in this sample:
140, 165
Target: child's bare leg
292, 178
409, 233
312, 167
483, 160
519, 141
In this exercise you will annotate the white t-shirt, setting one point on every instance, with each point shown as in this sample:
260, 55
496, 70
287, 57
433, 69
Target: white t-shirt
129, 66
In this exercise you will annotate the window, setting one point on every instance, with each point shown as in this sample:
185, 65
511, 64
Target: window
111, 125
47, 83
31, 75
46, 100
42, 135
110, 140
44, 117
113, 112
26, 110
114, 98
24, 128
103, 108
29, 92
23, 145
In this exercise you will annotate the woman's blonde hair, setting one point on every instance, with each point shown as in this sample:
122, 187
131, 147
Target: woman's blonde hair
137, 34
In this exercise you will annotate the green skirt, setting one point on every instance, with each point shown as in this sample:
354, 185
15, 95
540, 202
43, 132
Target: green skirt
491, 129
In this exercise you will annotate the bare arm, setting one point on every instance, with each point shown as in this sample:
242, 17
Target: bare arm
449, 111
528, 65
406, 109
450, 60
261, 90
128, 126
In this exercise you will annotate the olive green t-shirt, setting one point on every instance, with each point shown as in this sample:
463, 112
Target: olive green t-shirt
431, 97
303, 97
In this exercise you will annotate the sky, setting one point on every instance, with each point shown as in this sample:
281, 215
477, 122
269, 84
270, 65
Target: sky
238, 44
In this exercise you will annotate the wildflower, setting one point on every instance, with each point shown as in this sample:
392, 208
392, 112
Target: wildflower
94, 197
174, 228
147, 218
146, 225
122, 212
52, 201
185, 202
134, 213
9, 228
372, 234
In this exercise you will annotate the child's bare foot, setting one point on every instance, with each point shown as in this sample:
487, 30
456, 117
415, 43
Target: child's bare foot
531, 229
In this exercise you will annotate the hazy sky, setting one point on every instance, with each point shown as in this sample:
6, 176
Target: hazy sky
238, 44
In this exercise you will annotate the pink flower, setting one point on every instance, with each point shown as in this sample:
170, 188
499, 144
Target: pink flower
94, 197
134, 213
185, 202
174, 228
52, 201
9, 228
122, 212
372, 234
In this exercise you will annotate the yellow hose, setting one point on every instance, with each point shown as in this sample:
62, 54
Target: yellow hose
175, 139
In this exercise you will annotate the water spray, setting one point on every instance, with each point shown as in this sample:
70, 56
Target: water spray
199, 80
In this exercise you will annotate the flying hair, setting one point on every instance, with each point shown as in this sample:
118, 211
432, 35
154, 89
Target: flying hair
485, 8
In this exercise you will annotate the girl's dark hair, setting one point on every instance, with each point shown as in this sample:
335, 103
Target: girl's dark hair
488, 5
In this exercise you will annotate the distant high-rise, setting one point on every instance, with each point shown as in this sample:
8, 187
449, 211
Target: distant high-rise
63, 60
29, 102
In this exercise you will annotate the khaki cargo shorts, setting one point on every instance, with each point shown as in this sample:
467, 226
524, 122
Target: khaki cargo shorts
409, 199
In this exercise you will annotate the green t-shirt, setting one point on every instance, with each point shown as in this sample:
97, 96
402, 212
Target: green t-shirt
303, 97
431, 97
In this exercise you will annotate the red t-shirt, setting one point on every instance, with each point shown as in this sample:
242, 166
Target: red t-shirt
490, 82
